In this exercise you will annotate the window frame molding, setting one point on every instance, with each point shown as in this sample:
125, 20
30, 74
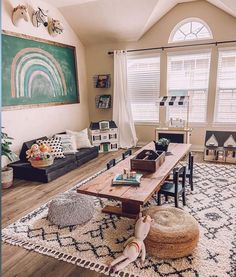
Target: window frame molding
188, 20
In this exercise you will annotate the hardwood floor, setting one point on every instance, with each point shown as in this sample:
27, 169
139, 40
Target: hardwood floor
26, 196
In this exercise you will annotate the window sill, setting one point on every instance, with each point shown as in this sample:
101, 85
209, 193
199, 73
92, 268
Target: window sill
224, 125
193, 124
148, 123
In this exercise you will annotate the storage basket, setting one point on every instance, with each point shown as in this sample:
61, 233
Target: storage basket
42, 163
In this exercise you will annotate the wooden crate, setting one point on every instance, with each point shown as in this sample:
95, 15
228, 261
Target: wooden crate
145, 162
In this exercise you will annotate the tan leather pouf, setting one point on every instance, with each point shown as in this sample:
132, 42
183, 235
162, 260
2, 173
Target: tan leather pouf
173, 234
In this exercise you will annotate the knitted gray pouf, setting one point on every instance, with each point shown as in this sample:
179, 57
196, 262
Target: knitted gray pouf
71, 208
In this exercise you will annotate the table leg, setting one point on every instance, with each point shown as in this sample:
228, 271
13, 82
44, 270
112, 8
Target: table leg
130, 210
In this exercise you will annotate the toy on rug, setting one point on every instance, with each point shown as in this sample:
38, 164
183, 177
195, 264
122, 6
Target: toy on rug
134, 245
19, 12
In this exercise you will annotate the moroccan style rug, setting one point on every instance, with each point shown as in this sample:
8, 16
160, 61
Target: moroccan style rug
94, 244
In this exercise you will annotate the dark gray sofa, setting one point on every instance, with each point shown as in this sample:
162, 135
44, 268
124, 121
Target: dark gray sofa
23, 170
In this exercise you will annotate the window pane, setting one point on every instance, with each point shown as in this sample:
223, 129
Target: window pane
191, 79
144, 87
191, 30
225, 108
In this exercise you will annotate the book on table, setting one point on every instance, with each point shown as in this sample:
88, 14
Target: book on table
119, 180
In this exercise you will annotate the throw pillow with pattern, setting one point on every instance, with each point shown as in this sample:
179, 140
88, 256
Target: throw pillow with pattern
68, 143
56, 146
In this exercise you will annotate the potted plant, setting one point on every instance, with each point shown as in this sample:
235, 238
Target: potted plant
7, 155
162, 144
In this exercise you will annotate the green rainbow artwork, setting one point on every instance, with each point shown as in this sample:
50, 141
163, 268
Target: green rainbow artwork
37, 72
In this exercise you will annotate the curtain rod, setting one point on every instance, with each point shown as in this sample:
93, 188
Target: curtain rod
176, 46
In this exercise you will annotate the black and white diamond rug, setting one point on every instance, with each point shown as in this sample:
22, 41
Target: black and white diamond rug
93, 245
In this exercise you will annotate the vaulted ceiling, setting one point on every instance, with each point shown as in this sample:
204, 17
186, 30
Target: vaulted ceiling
120, 20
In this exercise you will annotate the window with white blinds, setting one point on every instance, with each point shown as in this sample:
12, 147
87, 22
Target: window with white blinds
188, 75
144, 87
225, 108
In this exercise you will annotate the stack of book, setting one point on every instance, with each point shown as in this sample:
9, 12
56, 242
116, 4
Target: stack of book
120, 180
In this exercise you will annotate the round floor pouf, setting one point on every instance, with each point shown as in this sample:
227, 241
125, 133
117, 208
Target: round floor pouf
71, 208
173, 234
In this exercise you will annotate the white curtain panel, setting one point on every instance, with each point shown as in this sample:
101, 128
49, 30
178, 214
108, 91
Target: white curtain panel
122, 114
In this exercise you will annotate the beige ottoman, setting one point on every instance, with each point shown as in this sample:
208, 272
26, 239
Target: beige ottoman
173, 234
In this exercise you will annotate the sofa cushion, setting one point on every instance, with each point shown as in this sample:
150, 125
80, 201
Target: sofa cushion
87, 158
83, 152
26, 146
23, 170
58, 163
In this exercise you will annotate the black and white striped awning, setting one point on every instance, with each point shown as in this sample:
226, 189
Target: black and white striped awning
173, 100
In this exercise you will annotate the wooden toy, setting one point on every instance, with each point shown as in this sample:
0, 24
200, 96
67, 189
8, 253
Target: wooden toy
134, 245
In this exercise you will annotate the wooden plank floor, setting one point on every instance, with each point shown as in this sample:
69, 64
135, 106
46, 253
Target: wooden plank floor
26, 196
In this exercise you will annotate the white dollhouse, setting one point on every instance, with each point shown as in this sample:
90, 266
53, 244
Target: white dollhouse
104, 134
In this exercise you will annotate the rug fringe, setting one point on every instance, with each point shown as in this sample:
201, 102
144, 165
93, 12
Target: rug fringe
98, 267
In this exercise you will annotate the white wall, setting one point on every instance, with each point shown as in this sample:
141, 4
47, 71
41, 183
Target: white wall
223, 27
26, 124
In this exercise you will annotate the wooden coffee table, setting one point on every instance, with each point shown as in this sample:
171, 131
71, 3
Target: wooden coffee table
132, 198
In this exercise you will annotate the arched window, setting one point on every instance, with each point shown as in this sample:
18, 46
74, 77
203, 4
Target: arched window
190, 29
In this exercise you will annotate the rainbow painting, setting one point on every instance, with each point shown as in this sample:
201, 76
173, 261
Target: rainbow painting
37, 72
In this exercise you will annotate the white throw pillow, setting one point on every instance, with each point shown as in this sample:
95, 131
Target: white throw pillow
68, 143
82, 140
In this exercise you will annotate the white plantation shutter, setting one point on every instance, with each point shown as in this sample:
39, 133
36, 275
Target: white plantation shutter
225, 108
188, 75
144, 87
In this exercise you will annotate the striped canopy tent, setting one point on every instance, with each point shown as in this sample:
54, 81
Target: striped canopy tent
173, 100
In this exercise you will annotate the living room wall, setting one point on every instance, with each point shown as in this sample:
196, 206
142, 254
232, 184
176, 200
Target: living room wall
25, 124
223, 27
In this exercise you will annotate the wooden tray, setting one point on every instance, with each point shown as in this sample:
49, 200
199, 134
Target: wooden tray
148, 160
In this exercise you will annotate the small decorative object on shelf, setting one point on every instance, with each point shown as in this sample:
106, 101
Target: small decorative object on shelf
102, 81
128, 178
162, 144
104, 134
103, 101
148, 160
39, 155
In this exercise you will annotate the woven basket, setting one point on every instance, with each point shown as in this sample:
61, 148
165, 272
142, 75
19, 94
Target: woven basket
42, 163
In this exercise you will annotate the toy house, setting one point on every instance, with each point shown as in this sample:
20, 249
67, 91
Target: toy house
220, 146
104, 134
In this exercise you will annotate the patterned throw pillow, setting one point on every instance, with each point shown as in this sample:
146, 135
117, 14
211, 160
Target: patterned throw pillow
68, 143
56, 147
